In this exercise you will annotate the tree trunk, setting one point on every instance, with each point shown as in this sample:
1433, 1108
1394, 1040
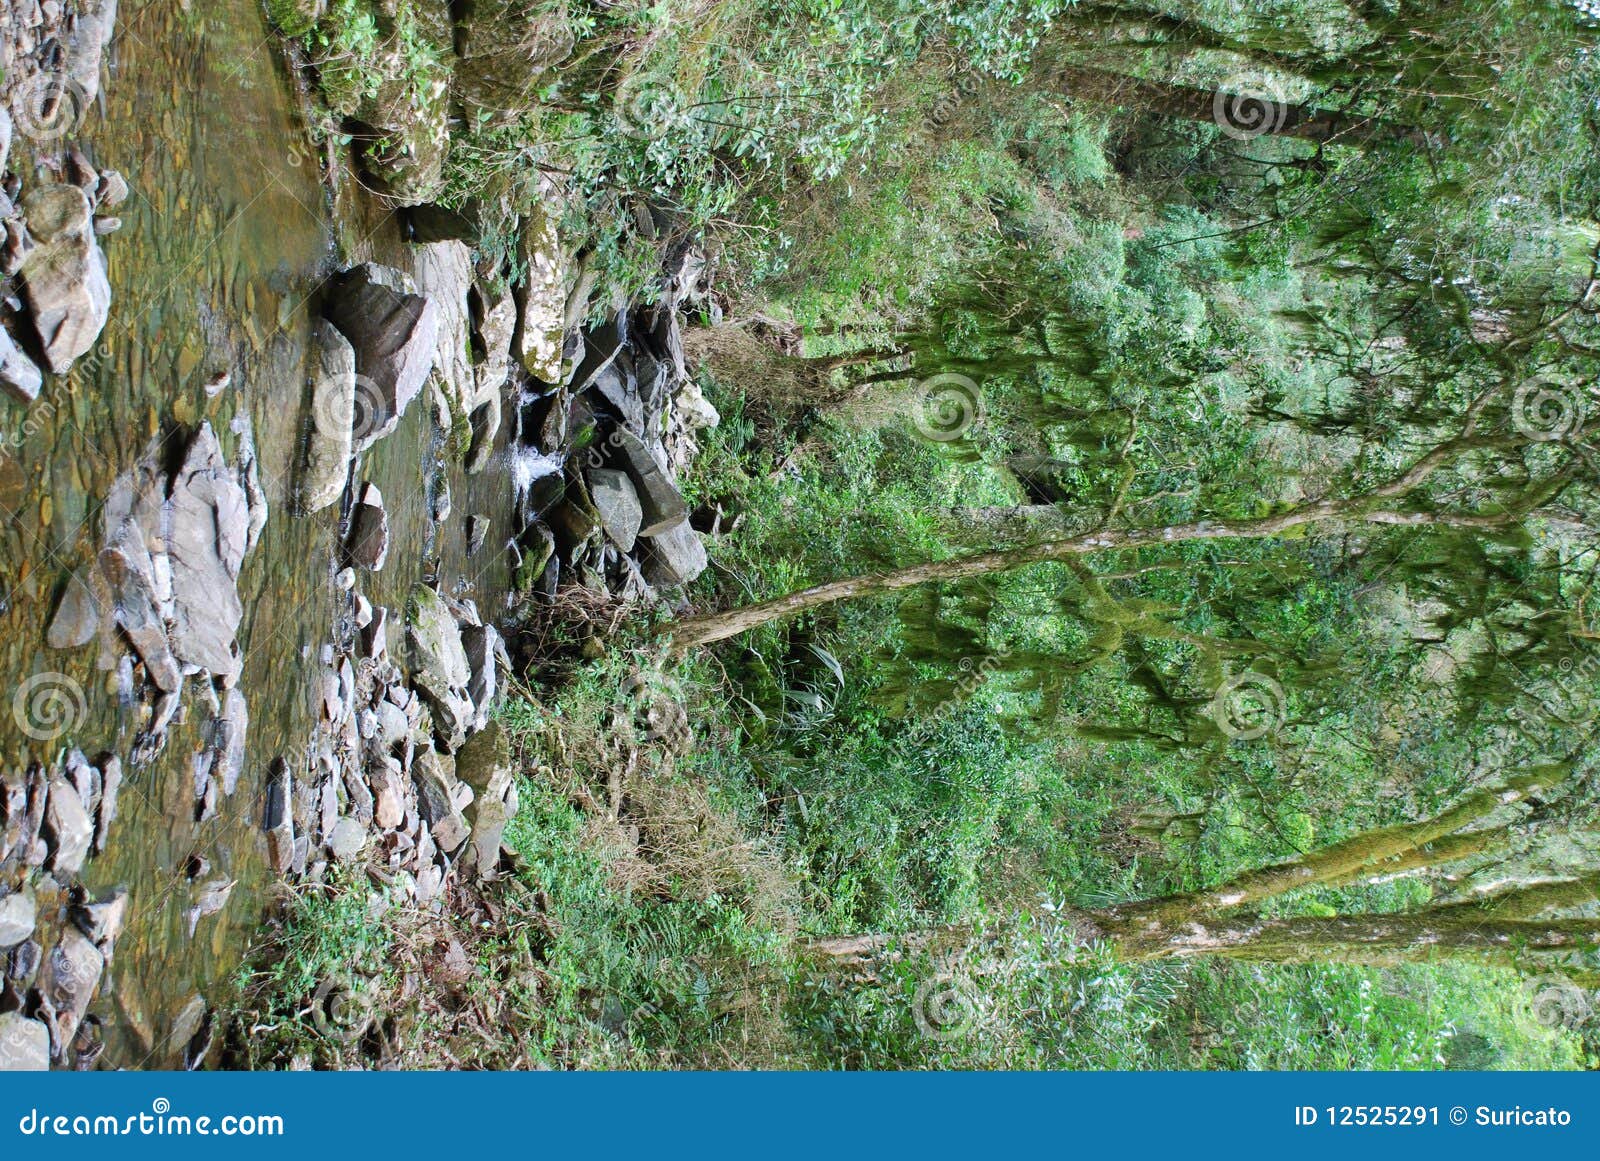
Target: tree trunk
1243, 114
1370, 508
711, 627
1502, 927
1374, 940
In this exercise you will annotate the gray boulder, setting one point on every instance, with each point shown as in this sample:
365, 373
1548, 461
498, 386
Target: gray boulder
439, 665
20, 376
333, 405
207, 531
67, 983
661, 504
617, 502
437, 653
484, 764
277, 818
18, 914
369, 531
68, 828
64, 277
125, 569
504, 48
77, 617
395, 335
24, 1044
674, 557
441, 797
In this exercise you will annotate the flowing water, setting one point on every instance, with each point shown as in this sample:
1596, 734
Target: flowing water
228, 236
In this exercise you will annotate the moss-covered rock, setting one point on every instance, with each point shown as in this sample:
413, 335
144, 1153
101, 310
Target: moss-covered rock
296, 17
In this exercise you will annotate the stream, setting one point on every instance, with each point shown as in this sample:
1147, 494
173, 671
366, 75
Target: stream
228, 237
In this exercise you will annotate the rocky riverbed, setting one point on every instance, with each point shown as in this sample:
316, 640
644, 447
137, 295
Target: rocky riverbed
281, 473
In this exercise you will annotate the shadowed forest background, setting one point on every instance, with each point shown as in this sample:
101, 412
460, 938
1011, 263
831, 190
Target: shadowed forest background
1152, 529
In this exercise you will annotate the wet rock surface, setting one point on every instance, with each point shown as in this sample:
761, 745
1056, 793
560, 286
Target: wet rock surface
394, 333
58, 297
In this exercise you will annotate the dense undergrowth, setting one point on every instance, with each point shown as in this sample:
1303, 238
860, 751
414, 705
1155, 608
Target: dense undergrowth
977, 757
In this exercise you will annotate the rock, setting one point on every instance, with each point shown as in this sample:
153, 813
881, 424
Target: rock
125, 567
110, 785
471, 223
388, 798
494, 327
484, 764
67, 983
439, 662
64, 278
392, 725
694, 409
24, 1044
408, 150
661, 504
616, 384
77, 617
207, 534
228, 732
477, 529
249, 475
542, 299
375, 637
441, 799
674, 557
348, 840
5, 138
278, 817
111, 190
20, 376
617, 502
484, 647
23, 962
68, 828
437, 653
333, 404
18, 914
102, 920
394, 334
369, 531
296, 17
444, 276
573, 521
208, 899
601, 347
85, 45
504, 47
